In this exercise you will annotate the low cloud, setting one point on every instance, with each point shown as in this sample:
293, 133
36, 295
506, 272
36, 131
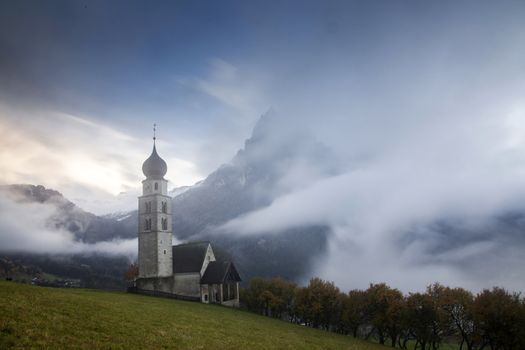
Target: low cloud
429, 135
24, 227
423, 191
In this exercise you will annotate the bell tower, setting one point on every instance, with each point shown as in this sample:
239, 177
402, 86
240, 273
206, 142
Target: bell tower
154, 218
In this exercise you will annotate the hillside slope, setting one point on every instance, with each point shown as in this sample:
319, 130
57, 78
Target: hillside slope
38, 317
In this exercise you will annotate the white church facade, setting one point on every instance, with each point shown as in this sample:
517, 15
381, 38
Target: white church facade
187, 271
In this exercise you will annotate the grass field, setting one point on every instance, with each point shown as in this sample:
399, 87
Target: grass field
40, 317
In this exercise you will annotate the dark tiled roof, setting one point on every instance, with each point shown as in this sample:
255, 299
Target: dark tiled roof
220, 272
189, 257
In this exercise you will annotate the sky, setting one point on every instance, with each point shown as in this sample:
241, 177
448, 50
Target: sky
421, 102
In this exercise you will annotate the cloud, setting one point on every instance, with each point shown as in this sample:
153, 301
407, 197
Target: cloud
421, 105
420, 146
229, 98
33, 234
91, 163
384, 214
232, 88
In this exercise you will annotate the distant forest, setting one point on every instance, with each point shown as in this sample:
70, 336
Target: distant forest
492, 319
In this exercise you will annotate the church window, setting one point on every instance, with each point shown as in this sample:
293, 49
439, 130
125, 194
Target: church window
164, 207
147, 224
164, 223
229, 291
234, 290
164, 251
148, 207
156, 186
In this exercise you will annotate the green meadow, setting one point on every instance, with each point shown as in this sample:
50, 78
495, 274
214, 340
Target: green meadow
52, 318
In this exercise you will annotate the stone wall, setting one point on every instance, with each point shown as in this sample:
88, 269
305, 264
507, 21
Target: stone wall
164, 254
161, 284
148, 263
187, 284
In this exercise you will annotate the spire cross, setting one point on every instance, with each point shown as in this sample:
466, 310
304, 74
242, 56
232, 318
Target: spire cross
154, 132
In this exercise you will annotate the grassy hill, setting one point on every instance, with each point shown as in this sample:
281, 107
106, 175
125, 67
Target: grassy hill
39, 317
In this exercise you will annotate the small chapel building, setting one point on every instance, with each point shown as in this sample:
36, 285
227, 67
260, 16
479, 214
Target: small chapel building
186, 271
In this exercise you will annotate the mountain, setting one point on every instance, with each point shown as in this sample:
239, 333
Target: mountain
92, 270
277, 159
85, 226
257, 175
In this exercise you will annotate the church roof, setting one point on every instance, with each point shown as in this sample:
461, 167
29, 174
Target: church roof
220, 272
154, 167
189, 257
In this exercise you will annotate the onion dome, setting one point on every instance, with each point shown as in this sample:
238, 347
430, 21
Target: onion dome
154, 167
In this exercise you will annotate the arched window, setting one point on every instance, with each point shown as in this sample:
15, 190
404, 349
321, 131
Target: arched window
164, 207
156, 186
148, 207
164, 223
147, 224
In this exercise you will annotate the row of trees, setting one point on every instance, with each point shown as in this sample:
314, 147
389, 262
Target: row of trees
493, 319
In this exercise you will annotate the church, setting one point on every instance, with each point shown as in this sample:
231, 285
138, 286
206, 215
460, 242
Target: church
187, 271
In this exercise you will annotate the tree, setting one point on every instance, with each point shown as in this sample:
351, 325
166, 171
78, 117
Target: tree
251, 296
353, 312
273, 297
443, 325
383, 309
457, 304
318, 303
133, 272
420, 319
268, 301
493, 319
497, 315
